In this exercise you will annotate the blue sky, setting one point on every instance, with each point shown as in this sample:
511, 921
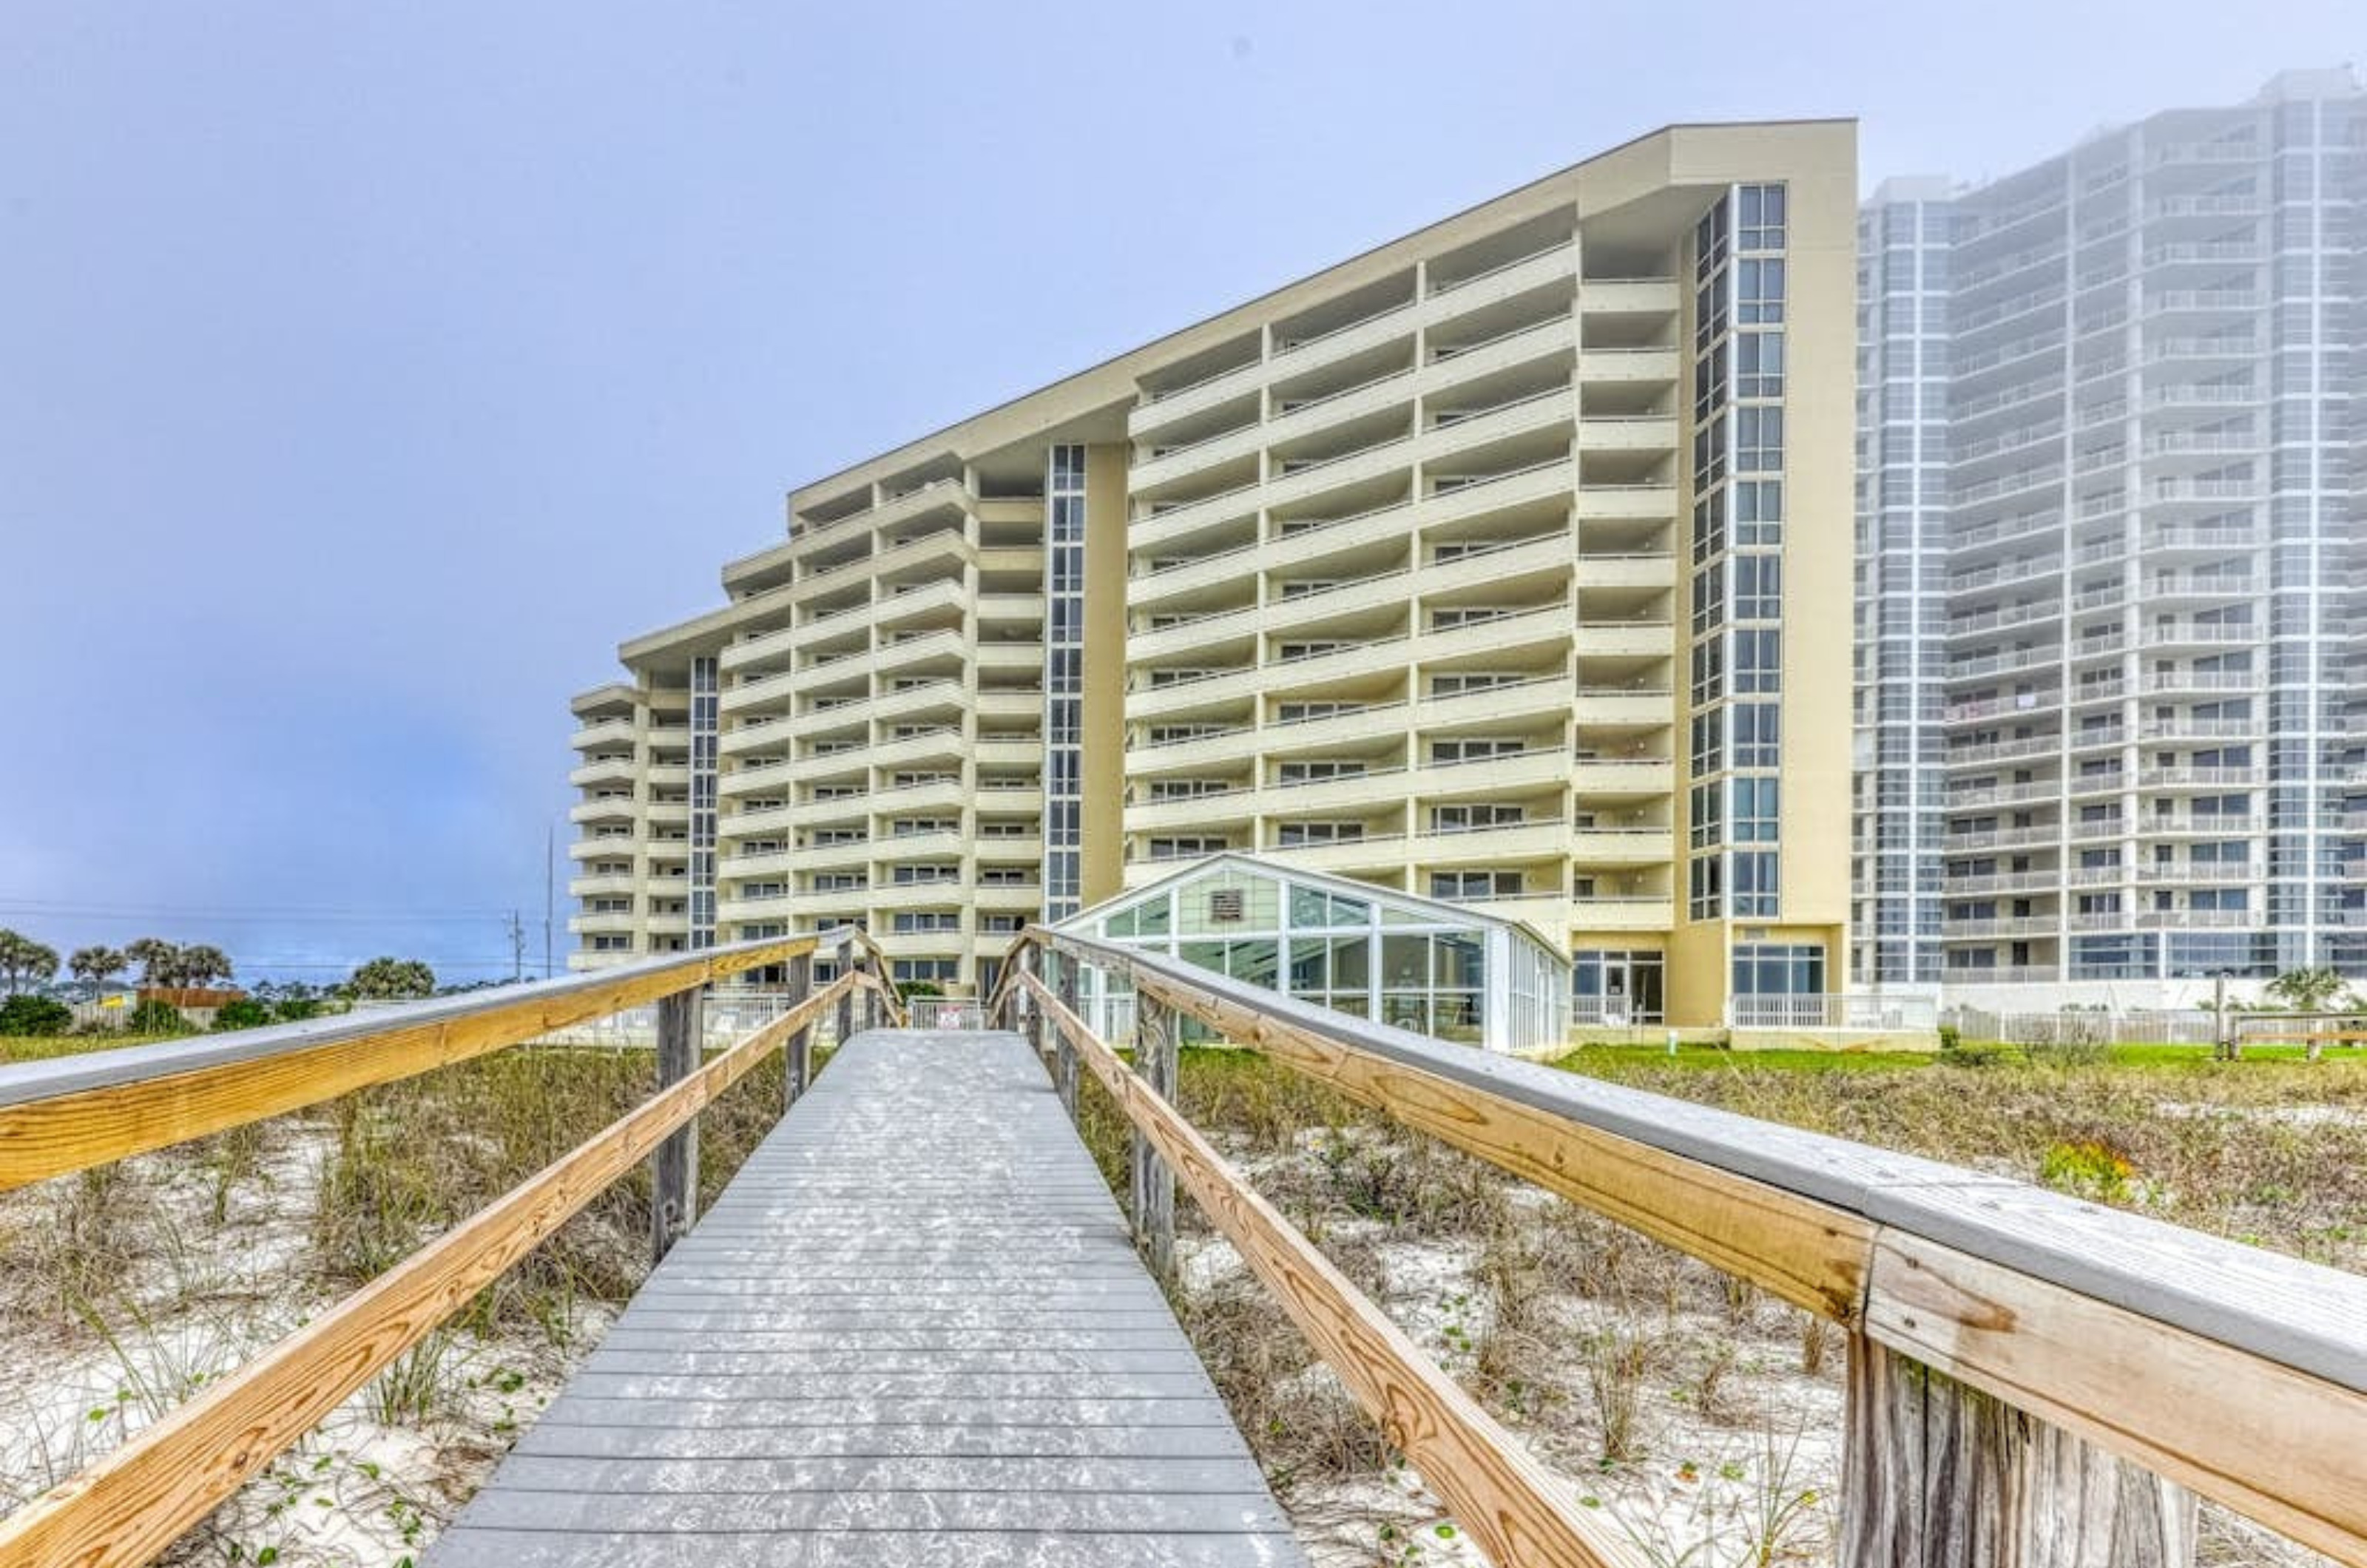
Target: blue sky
367, 373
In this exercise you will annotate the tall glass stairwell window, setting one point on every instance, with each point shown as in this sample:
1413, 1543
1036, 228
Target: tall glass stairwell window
1064, 654
1733, 861
703, 704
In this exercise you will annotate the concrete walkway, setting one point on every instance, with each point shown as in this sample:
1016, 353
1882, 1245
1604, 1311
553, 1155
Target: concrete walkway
912, 1331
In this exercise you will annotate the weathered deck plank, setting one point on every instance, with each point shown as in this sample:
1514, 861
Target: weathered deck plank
912, 1331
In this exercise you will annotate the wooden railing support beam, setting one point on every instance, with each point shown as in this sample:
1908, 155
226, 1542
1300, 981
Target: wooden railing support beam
1938, 1474
1064, 1052
846, 965
796, 1059
675, 1195
1153, 1184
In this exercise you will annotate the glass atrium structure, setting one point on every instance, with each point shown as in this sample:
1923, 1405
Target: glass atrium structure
1437, 968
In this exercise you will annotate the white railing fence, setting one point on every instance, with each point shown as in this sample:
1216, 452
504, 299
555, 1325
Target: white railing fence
945, 1012
1845, 1009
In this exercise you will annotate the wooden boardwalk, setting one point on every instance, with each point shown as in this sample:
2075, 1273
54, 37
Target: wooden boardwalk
912, 1331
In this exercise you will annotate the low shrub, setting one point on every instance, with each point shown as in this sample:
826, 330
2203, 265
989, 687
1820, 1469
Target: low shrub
28, 1014
1951, 1037
295, 1010
156, 1018
241, 1012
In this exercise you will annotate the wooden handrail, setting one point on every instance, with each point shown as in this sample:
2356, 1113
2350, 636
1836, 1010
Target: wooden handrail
140, 1497
70, 1112
2237, 1371
1512, 1504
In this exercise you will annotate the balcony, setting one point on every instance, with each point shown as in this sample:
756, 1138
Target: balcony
613, 884
605, 771
1282, 616
1626, 639
1615, 913
1628, 503
750, 867
945, 845
1622, 846
608, 734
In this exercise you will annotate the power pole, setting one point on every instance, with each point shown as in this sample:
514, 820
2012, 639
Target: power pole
550, 852
517, 947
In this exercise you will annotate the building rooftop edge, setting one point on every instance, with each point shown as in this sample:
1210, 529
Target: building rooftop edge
916, 447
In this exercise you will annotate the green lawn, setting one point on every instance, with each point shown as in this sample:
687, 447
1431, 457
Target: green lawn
41, 1047
1618, 1061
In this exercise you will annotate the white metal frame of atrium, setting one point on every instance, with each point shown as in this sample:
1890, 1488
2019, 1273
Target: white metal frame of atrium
1438, 968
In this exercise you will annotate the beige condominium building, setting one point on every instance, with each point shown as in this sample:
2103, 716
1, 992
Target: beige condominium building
1508, 562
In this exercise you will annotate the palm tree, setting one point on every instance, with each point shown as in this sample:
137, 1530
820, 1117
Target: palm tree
383, 979
2307, 991
202, 965
96, 965
159, 961
24, 962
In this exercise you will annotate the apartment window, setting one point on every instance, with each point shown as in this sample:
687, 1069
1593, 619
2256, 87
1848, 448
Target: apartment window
1778, 969
1758, 440
1476, 814
1709, 672
1299, 588
1706, 886
839, 882
1757, 588
1295, 835
1707, 817
1476, 748
1758, 734
1709, 741
1458, 549
924, 971
1755, 812
1176, 677
1709, 600
1171, 734
1000, 925
1758, 661
1288, 652
822, 838
1757, 293
1456, 684
1467, 885
1758, 512
1760, 221
612, 944
1299, 713
911, 827
999, 828
1187, 789
1004, 876
1178, 848
1759, 365
911, 922
1709, 528
913, 875
1754, 883
1320, 768
1449, 617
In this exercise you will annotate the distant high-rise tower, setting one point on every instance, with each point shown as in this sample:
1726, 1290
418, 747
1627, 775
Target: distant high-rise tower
2112, 519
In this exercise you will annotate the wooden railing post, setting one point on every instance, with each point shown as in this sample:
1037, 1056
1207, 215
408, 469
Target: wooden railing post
797, 1056
847, 951
1938, 1474
1064, 1053
681, 1019
1153, 1186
